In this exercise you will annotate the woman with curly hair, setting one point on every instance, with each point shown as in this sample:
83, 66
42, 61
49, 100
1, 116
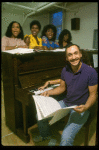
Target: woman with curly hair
32, 40
13, 37
48, 37
64, 38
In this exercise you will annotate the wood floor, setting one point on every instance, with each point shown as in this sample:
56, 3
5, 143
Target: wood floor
8, 138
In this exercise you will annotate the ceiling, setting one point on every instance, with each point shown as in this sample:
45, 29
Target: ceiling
31, 8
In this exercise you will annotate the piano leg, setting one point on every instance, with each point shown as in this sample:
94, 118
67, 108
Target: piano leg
23, 132
25, 120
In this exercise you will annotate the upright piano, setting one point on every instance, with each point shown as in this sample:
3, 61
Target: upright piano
21, 74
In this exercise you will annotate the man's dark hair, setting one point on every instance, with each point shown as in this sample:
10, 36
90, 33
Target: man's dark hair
49, 26
71, 44
35, 22
9, 30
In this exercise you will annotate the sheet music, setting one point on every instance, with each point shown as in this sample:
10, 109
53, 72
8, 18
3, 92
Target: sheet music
58, 50
55, 50
60, 114
47, 105
20, 51
27, 50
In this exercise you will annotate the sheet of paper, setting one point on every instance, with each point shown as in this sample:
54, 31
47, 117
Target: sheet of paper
47, 105
39, 113
60, 114
55, 50
20, 51
27, 50
59, 50
95, 60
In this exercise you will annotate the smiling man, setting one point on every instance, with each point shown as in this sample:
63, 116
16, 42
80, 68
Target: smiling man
80, 81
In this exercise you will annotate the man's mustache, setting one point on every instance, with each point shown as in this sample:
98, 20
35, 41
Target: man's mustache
74, 60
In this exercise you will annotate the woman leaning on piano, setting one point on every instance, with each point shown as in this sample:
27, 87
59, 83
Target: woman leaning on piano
47, 40
65, 38
32, 40
48, 36
14, 37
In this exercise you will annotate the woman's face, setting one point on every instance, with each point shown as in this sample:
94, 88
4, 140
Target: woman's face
35, 30
65, 38
49, 33
15, 30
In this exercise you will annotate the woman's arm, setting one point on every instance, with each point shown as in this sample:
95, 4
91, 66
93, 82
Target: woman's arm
39, 48
14, 47
27, 40
10, 47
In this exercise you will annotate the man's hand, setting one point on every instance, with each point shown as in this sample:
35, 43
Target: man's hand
44, 86
46, 93
80, 108
56, 91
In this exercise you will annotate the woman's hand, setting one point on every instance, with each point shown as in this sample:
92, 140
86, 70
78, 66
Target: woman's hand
27, 40
51, 48
21, 46
37, 48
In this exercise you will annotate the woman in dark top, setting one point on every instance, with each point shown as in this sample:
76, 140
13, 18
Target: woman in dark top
64, 38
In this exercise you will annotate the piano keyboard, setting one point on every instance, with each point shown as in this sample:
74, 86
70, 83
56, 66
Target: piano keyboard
37, 92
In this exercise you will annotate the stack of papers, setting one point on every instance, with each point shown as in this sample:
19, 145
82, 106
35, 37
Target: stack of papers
27, 50
55, 50
19, 51
59, 50
49, 107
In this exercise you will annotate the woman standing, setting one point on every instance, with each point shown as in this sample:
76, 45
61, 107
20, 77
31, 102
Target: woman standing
48, 37
13, 37
65, 38
34, 41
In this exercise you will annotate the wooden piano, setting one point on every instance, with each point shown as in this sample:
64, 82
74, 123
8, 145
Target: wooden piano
22, 73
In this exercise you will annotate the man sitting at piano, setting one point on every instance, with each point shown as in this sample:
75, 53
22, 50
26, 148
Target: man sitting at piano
81, 82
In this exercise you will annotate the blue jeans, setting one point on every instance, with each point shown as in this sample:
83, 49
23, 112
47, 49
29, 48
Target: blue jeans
74, 124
